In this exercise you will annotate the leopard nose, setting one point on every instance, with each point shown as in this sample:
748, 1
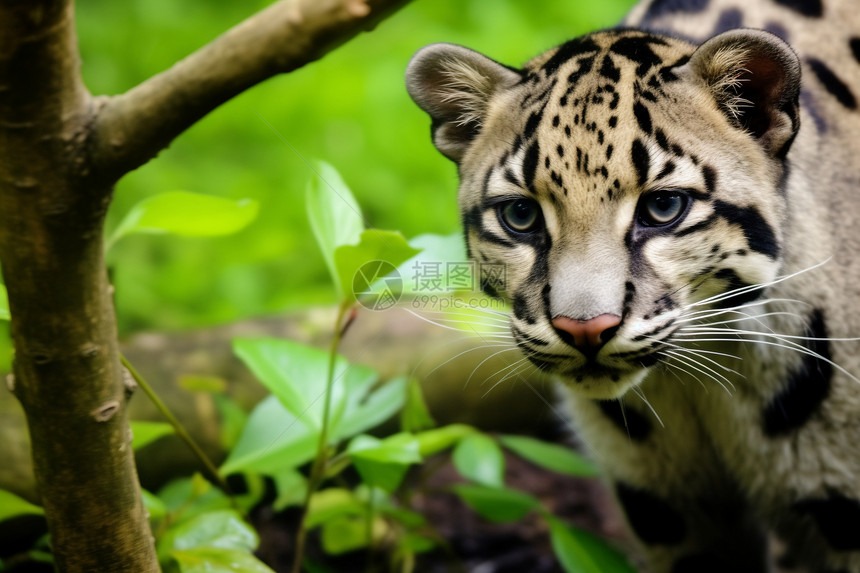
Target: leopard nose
588, 335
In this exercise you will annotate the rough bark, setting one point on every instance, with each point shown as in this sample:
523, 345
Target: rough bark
61, 151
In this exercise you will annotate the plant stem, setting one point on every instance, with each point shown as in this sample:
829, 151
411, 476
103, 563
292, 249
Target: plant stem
177, 426
319, 467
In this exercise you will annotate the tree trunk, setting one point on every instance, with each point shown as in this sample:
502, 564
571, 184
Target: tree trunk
61, 152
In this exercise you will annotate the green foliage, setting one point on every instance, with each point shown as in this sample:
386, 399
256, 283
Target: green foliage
350, 108
415, 415
12, 506
498, 504
145, 433
550, 456
580, 552
478, 458
186, 214
4, 303
335, 218
383, 463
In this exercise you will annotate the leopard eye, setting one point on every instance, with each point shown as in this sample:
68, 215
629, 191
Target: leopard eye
520, 215
662, 208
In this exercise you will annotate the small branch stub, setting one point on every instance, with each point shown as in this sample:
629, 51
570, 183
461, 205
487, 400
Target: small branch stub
106, 411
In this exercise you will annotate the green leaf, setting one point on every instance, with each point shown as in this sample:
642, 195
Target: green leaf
383, 463
297, 375
4, 303
436, 252
416, 543
478, 457
415, 415
434, 441
363, 414
334, 215
221, 529
364, 269
272, 440
292, 488
550, 456
189, 497
333, 502
581, 552
344, 533
186, 214
279, 438
12, 506
233, 420
214, 560
144, 433
153, 505
495, 503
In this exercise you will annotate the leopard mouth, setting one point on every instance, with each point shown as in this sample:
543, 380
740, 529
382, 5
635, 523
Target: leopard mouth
594, 379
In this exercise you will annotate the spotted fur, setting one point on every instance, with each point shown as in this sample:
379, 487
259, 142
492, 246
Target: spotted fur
676, 203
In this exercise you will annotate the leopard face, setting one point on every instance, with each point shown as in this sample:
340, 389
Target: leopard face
629, 182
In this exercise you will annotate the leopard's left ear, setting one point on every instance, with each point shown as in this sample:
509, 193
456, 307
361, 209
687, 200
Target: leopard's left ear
754, 77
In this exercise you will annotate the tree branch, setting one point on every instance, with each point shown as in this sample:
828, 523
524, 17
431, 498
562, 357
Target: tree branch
133, 127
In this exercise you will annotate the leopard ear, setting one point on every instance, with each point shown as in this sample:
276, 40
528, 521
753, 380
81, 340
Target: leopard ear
454, 85
755, 79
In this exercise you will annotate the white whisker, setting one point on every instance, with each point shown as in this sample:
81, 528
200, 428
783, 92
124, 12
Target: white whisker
638, 391
749, 288
702, 368
788, 345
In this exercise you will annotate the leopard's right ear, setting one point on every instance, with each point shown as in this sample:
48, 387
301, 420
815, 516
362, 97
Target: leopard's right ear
454, 85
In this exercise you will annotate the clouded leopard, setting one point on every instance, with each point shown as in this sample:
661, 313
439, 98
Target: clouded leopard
677, 201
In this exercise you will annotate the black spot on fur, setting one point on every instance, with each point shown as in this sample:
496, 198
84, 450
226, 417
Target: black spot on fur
807, 100
567, 51
667, 169
530, 163
662, 7
807, 387
777, 29
832, 83
653, 520
837, 518
641, 160
812, 8
662, 141
555, 121
585, 66
532, 124
855, 48
613, 121
628, 420
758, 233
613, 103
608, 70
522, 311
734, 282
489, 288
609, 150
643, 117
729, 20
638, 49
710, 176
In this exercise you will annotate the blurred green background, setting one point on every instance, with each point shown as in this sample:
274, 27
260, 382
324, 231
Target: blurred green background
350, 109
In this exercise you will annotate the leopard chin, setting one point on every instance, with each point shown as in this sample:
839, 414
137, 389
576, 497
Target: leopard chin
602, 383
